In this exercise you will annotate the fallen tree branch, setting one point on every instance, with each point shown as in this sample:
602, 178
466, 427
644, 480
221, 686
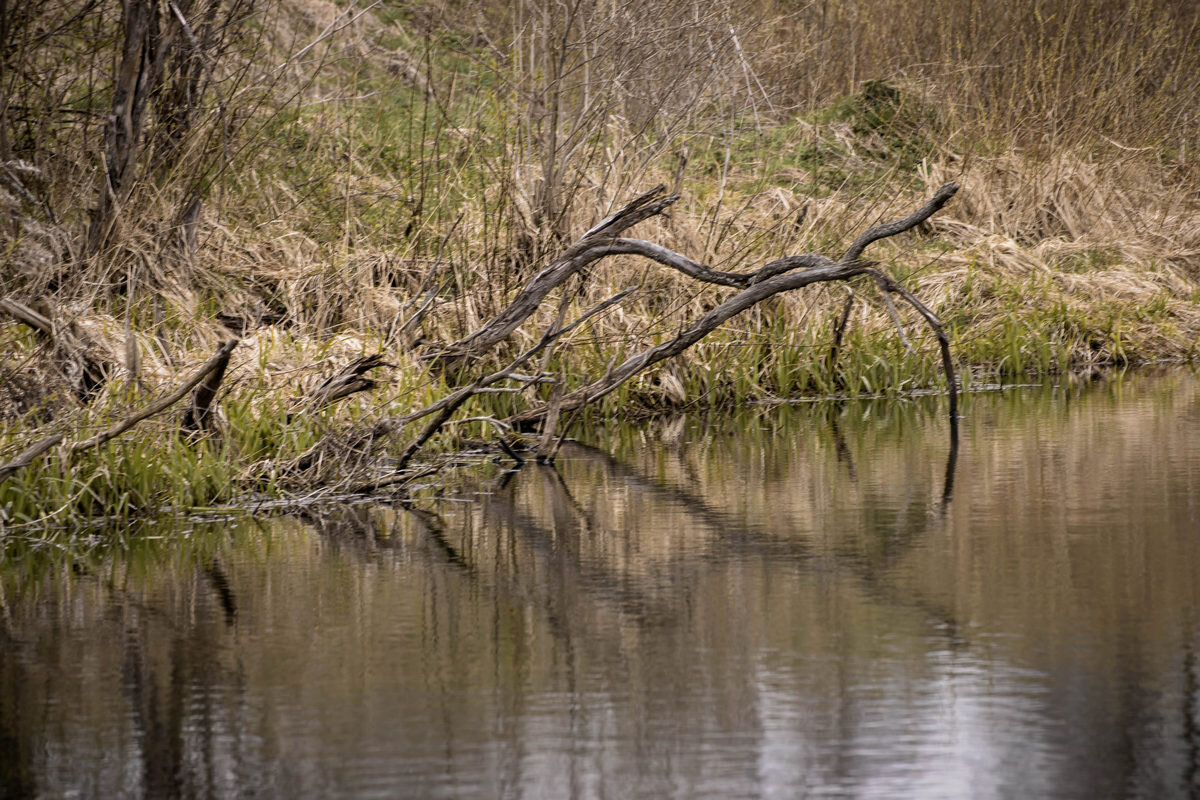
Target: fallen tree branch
442, 417
198, 419
602, 240
874, 234
936, 325
778, 278
507, 372
29, 455
547, 446
23, 313
895, 317
219, 358
775, 277
694, 333
446, 406
693, 269
731, 308
839, 331
939, 199
590, 247
349, 380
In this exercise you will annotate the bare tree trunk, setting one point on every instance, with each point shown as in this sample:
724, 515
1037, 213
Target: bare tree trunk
148, 39
5, 34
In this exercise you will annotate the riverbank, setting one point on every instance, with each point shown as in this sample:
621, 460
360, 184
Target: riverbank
394, 178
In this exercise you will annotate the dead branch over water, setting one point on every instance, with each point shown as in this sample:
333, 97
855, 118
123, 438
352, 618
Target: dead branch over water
776, 277
772, 279
457, 359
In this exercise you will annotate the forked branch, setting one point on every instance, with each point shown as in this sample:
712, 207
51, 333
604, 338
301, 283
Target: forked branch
775, 277
604, 240
772, 279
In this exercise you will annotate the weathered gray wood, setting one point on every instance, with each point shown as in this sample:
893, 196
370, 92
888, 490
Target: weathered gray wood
29, 455
157, 407
779, 279
199, 417
443, 408
589, 248
349, 380
694, 333
24, 314
939, 199
603, 240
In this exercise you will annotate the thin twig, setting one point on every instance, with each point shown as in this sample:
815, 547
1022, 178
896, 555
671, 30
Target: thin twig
891, 310
935, 325
25, 314
839, 332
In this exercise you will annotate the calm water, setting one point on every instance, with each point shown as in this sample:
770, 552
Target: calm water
782, 603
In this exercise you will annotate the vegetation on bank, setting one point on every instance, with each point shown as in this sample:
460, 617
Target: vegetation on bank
330, 181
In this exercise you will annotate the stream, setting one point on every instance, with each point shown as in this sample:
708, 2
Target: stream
822, 600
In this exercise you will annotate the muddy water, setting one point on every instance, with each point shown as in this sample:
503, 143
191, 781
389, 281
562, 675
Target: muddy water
815, 601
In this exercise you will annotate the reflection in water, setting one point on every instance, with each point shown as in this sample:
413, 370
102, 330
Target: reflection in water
837, 600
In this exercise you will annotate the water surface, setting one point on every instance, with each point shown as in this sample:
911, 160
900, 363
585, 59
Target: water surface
811, 601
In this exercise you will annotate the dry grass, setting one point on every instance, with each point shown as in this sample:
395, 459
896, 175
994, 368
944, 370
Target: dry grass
344, 165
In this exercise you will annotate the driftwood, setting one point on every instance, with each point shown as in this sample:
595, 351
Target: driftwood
604, 240
444, 408
731, 308
780, 275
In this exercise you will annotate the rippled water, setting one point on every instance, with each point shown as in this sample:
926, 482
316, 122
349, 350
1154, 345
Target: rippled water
816, 601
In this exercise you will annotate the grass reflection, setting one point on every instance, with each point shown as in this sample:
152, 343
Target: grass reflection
802, 590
